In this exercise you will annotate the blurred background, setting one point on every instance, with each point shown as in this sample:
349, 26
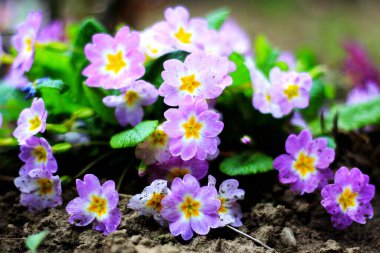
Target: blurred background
290, 24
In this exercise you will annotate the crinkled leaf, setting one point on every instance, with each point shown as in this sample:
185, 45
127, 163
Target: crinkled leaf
34, 241
51, 84
132, 137
246, 164
266, 55
216, 18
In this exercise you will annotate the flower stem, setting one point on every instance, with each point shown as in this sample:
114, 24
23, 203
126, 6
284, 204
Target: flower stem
250, 237
90, 165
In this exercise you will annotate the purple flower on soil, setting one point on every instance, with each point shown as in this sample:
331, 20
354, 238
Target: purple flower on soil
31, 121
115, 62
305, 167
24, 41
190, 208
129, 104
176, 167
39, 189
96, 203
195, 77
229, 194
192, 129
37, 154
181, 32
155, 148
148, 203
348, 199
363, 93
237, 39
55, 31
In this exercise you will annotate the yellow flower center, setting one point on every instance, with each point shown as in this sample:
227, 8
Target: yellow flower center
222, 208
292, 91
304, 164
192, 128
40, 154
115, 62
155, 201
28, 43
131, 97
267, 97
35, 123
183, 36
189, 83
347, 199
45, 186
177, 172
158, 138
190, 207
98, 206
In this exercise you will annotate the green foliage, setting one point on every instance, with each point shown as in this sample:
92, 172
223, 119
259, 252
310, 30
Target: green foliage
57, 128
266, 55
241, 75
12, 102
246, 164
215, 19
317, 97
132, 137
48, 83
61, 147
306, 59
83, 113
34, 241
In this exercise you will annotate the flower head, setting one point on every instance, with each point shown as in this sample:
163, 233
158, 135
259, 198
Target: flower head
348, 199
54, 31
129, 103
16, 78
151, 47
39, 189
96, 203
148, 203
24, 41
236, 38
363, 93
31, 121
37, 153
229, 194
190, 208
288, 58
192, 129
115, 62
176, 167
305, 167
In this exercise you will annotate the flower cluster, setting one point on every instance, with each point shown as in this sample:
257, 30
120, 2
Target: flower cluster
188, 207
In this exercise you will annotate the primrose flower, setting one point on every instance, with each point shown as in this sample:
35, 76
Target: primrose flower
181, 32
155, 148
148, 203
236, 38
229, 194
37, 153
16, 79
54, 31
96, 203
115, 62
129, 103
176, 167
216, 44
192, 129
288, 58
305, 167
195, 77
31, 121
151, 47
190, 208
24, 41
39, 189
363, 93
348, 199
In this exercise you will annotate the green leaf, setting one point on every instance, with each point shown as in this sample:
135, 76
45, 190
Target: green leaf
306, 59
216, 18
246, 164
132, 137
241, 75
266, 55
12, 102
51, 84
57, 128
83, 113
61, 147
34, 241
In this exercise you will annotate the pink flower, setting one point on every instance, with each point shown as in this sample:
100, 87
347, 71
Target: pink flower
152, 48
236, 38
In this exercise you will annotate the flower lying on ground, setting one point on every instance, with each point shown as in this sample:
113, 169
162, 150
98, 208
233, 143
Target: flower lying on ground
31, 121
96, 203
229, 194
129, 103
190, 208
192, 129
348, 199
305, 167
148, 203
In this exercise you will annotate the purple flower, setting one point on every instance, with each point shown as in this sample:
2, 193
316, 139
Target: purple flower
115, 62
192, 129
190, 208
246, 140
237, 39
39, 189
216, 43
288, 58
197, 77
155, 148
55, 31
348, 199
363, 93
24, 41
151, 47
16, 78
129, 103
305, 167
96, 203
176, 167
148, 203
31, 121
229, 194
37, 153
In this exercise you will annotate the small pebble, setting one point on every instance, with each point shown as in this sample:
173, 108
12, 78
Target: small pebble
287, 237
